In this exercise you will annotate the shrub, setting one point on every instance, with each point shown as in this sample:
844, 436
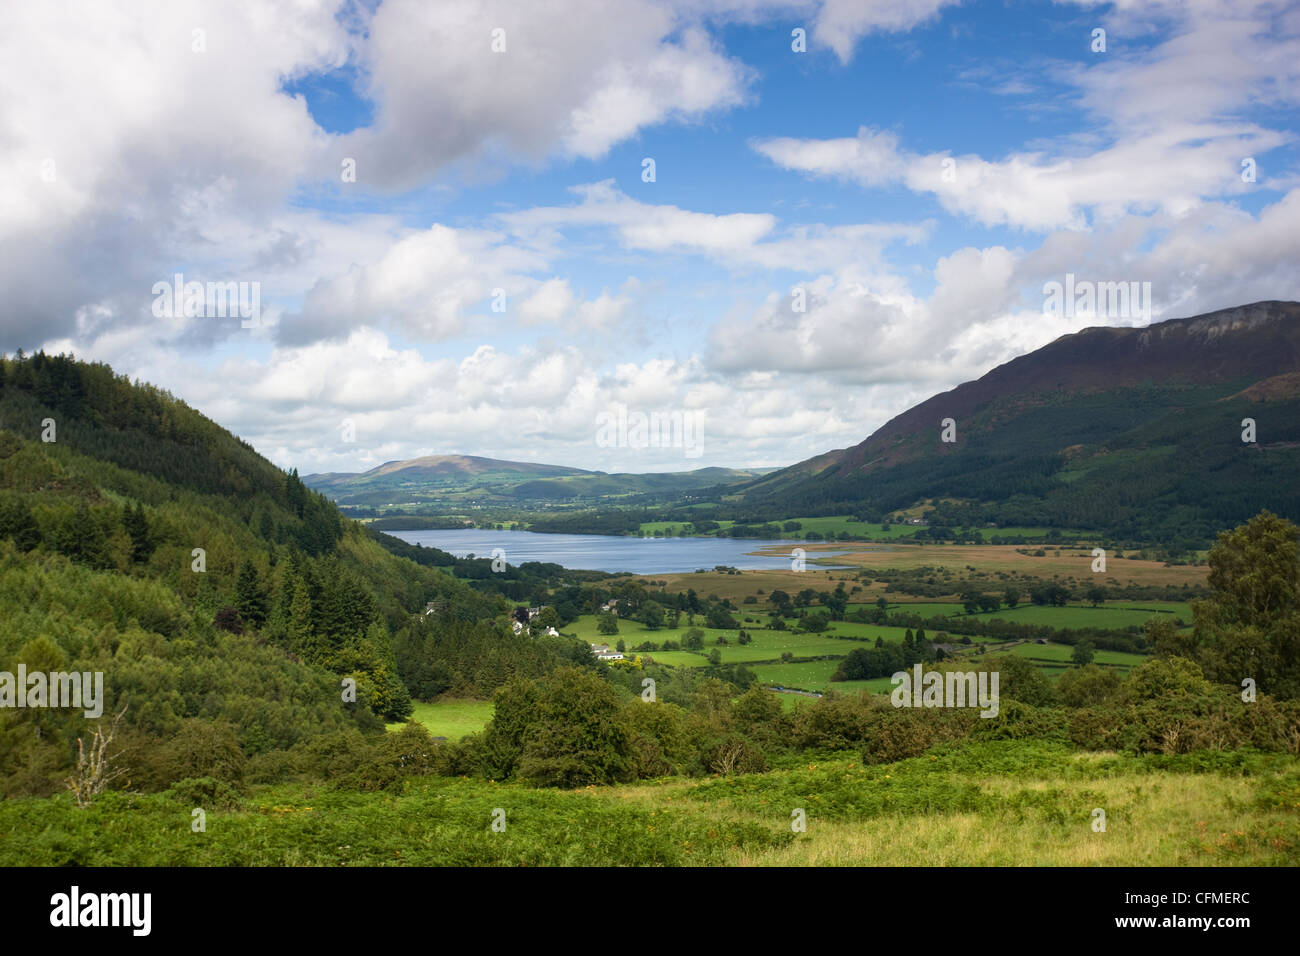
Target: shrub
274, 766
661, 742
208, 792
1020, 721
576, 733
1088, 686
329, 756
735, 754
897, 733
203, 748
404, 753
834, 722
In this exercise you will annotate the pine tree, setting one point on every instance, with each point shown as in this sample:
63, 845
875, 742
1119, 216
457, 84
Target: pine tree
79, 536
300, 618
137, 527
250, 596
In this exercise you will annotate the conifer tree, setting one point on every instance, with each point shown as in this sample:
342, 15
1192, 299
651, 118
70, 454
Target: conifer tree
250, 596
137, 528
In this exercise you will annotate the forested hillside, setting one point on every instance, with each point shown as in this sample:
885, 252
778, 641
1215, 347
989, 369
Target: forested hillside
1137, 433
224, 601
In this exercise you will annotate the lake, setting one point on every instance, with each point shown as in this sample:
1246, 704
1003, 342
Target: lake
599, 552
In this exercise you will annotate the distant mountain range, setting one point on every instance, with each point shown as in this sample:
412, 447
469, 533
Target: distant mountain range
448, 478
1137, 431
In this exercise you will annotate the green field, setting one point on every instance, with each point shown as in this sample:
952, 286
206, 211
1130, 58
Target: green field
800, 675
630, 632
1063, 653
1110, 615
676, 658
869, 632
452, 719
767, 647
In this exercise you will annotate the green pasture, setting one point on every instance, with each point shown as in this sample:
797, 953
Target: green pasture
1063, 654
816, 676
1113, 615
452, 719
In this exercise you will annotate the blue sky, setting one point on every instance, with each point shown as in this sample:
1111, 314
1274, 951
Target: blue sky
143, 140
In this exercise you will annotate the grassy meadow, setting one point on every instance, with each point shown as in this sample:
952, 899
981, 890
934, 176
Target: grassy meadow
448, 718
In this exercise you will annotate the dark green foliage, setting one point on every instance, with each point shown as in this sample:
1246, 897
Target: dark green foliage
79, 535
1019, 679
884, 660
1019, 721
136, 524
203, 748
576, 733
395, 758
18, 523
719, 617
1088, 685
250, 596
473, 660
206, 792
661, 743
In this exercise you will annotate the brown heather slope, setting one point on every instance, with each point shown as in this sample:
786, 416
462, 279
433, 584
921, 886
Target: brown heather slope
1260, 341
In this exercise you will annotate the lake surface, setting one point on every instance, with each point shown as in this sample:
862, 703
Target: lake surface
599, 552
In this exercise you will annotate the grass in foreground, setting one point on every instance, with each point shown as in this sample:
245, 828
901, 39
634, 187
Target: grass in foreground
992, 803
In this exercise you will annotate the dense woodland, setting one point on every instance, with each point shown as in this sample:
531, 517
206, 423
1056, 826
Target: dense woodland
99, 572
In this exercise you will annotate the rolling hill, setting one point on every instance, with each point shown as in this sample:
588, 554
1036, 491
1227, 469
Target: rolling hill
437, 479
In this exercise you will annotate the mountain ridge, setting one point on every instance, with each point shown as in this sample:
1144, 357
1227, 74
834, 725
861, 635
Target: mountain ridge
1103, 393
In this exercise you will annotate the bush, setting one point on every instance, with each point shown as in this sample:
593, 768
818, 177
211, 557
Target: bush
202, 748
895, 733
576, 733
735, 754
1020, 721
207, 792
408, 752
274, 766
834, 722
1088, 686
1019, 679
661, 743
329, 756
